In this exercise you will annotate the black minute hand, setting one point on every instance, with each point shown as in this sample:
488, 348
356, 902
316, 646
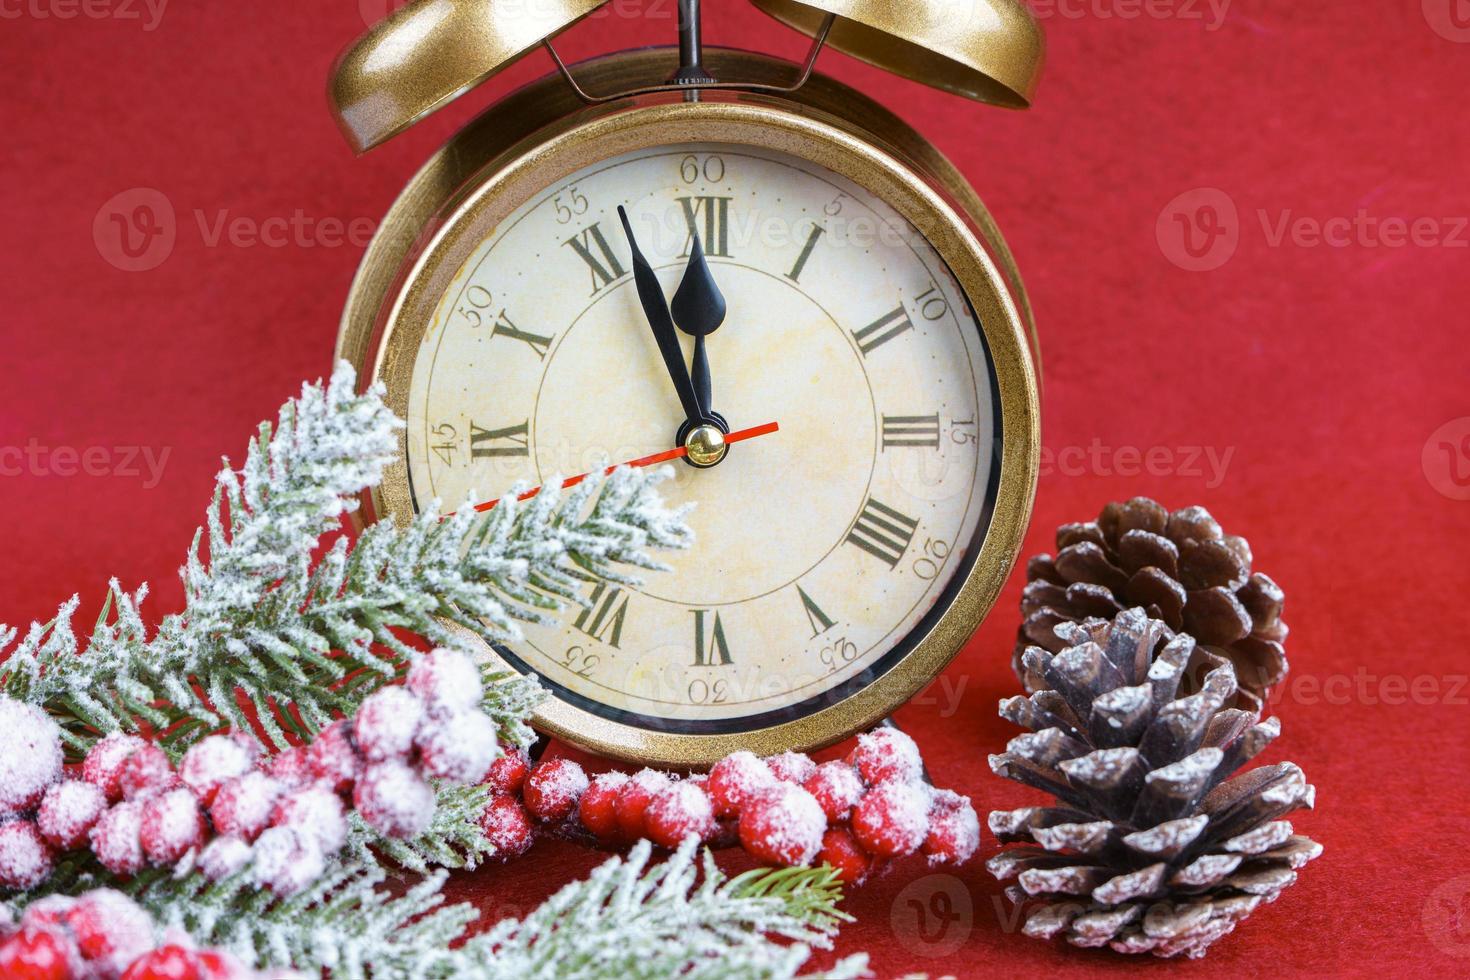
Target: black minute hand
656, 309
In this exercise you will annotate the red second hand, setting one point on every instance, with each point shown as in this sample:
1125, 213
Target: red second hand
654, 460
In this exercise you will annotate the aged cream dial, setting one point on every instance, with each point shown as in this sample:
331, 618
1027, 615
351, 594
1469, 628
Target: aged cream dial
821, 548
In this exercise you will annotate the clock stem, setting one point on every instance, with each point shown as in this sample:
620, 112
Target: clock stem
691, 50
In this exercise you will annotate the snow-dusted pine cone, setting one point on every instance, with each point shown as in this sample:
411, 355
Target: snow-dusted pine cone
1181, 568
1151, 846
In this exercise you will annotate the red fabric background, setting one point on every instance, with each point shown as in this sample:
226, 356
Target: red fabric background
1323, 369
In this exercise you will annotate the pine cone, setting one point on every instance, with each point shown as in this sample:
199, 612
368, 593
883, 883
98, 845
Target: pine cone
1151, 846
1181, 568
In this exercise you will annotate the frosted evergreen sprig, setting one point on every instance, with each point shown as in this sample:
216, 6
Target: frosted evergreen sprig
273, 632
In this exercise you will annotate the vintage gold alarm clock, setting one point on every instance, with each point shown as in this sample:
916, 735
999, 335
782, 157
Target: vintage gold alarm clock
726, 255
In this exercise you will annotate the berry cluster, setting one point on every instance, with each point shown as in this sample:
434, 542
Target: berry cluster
102, 934
226, 804
786, 810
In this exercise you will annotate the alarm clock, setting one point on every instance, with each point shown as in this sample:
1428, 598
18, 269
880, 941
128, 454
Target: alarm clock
733, 260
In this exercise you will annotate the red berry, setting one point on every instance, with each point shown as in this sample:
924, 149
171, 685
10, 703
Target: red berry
290, 767
458, 747
165, 963
508, 773
103, 765
332, 758
316, 812
115, 838
633, 800
735, 779
206, 766
683, 810
553, 789
507, 826
36, 954
214, 965
783, 826
285, 861
837, 787
792, 767
171, 826
25, 860
32, 758
243, 805
108, 926
48, 913
842, 852
146, 772
886, 755
598, 809
892, 819
394, 799
446, 681
386, 722
954, 829
68, 812
223, 857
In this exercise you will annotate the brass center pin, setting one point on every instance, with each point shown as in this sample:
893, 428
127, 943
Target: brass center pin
706, 445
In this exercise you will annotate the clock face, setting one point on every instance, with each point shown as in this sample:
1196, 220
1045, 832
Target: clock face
823, 550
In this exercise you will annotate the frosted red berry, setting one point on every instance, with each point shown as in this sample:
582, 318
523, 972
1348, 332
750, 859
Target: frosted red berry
892, 819
507, 826
243, 805
171, 826
633, 800
110, 928
32, 758
68, 812
36, 954
792, 767
598, 808
115, 838
48, 913
394, 799
224, 856
954, 829
25, 859
678, 812
332, 759
446, 681
554, 788
837, 788
457, 747
212, 762
316, 812
385, 724
146, 772
735, 779
841, 851
214, 965
103, 765
507, 774
165, 963
290, 767
783, 826
886, 755
285, 861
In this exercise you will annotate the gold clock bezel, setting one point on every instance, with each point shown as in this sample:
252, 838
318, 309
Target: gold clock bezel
585, 138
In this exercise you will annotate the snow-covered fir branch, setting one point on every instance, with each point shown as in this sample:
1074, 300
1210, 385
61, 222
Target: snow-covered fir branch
281, 628
682, 918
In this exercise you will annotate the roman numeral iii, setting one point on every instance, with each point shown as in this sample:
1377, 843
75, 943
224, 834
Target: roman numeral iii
592, 246
713, 231
911, 430
489, 443
883, 532
882, 330
710, 647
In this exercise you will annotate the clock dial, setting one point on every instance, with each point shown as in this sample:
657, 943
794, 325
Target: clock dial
822, 550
